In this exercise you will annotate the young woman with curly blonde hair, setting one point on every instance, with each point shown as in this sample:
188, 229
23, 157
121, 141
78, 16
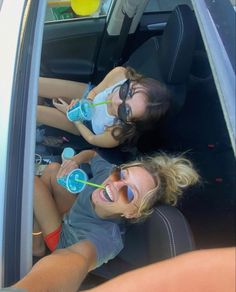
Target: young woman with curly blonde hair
90, 233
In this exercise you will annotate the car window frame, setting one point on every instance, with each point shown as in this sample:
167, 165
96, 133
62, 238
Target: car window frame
152, 6
18, 111
221, 62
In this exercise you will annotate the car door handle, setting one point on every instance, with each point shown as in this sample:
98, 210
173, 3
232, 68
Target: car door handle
156, 26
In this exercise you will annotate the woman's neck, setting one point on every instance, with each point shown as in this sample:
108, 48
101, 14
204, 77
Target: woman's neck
110, 108
105, 215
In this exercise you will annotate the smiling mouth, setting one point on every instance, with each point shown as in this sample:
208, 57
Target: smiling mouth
107, 194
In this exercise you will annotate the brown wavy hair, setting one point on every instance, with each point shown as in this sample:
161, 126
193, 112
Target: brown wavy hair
158, 103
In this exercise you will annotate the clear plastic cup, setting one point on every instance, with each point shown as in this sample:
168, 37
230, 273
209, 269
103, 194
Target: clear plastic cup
71, 183
81, 111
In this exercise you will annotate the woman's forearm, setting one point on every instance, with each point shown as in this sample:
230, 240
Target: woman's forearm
105, 139
62, 271
210, 270
84, 156
85, 132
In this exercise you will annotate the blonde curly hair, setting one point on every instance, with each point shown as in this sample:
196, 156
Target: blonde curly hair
172, 174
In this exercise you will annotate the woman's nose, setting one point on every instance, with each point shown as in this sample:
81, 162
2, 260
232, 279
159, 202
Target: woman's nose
119, 100
129, 102
119, 184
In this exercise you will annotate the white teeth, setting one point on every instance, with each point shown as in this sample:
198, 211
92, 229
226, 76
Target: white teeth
109, 193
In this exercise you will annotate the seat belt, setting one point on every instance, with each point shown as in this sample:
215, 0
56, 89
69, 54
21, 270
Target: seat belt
123, 33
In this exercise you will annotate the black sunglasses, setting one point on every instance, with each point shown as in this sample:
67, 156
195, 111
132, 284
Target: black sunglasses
123, 109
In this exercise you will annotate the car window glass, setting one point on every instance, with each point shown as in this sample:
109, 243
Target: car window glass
63, 10
233, 2
164, 5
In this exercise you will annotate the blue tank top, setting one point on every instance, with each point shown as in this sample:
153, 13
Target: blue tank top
100, 117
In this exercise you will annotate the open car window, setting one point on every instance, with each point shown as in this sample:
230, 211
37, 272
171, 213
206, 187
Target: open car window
218, 35
165, 5
71, 10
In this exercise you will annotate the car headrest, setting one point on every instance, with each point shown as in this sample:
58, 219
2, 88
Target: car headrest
177, 44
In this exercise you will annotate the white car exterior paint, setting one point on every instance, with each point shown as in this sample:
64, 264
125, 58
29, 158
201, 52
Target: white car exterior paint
9, 58
9, 11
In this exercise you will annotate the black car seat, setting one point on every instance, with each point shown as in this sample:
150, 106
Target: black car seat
166, 233
167, 58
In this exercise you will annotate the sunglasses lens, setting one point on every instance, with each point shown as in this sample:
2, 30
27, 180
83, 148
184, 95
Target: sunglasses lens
124, 89
126, 192
130, 194
122, 113
123, 93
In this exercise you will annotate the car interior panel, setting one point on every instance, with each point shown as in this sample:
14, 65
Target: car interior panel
70, 49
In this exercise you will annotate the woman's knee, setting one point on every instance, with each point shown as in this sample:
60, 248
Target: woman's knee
51, 169
36, 180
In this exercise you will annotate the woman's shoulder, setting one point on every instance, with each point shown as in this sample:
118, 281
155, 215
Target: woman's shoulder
119, 70
117, 74
114, 76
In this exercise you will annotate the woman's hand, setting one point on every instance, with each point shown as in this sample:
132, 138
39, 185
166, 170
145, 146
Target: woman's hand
73, 102
60, 104
66, 167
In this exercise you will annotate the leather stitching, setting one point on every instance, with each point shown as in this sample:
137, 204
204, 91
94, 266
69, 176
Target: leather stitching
170, 233
187, 230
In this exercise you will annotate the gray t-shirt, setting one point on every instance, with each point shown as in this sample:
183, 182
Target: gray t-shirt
82, 223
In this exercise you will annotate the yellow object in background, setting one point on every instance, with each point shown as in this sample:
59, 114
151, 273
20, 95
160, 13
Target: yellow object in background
84, 7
